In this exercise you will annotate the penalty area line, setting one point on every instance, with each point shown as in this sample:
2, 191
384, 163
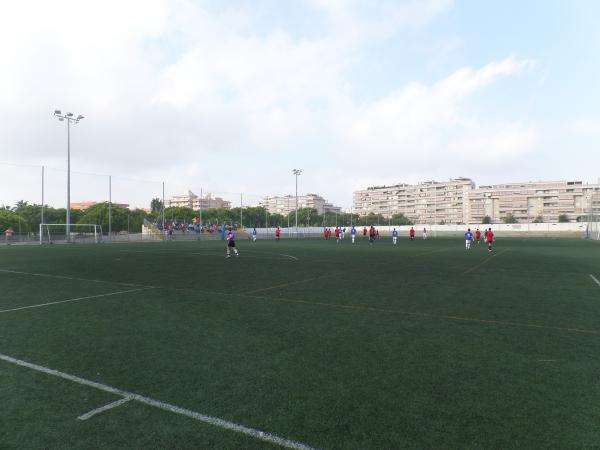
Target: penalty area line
112, 405
595, 279
211, 420
74, 300
63, 277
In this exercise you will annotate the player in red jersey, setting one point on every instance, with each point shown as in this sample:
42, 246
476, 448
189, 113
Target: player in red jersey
277, 233
478, 235
489, 238
411, 233
371, 235
337, 235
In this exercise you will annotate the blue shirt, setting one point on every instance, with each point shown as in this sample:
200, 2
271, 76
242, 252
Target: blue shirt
394, 233
469, 236
353, 231
254, 231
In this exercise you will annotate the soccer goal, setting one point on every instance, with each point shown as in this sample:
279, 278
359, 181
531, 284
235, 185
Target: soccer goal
592, 229
80, 233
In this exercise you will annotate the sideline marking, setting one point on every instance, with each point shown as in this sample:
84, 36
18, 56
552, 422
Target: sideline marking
72, 278
73, 300
112, 405
595, 279
484, 262
211, 420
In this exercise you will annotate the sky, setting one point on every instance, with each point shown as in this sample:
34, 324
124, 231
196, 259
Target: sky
229, 97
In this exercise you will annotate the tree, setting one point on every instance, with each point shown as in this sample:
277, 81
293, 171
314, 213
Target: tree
486, 220
401, 219
538, 219
11, 219
509, 218
563, 218
122, 219
156, 205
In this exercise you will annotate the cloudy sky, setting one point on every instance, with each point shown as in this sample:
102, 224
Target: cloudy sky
231, 96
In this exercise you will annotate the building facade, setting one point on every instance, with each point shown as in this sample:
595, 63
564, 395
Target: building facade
286, 204
191, 200
460, 201
425, 202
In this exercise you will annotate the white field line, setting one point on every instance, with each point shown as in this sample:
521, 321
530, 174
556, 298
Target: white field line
63, 277
246, 253
595, 279
221, 423
112, 405
74, 299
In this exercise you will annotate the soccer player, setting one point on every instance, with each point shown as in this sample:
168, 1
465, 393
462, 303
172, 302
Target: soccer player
411, 233
371, 235
343, 233
231, 244
337, 235
353, 233
254, 234
277, 233
364, 232
489, 239
468, 239
424, 233
394, 236
478, 236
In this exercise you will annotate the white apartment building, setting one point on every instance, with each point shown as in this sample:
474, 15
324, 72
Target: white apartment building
191, 200
459, 201
424, 202
545, 200
286, 204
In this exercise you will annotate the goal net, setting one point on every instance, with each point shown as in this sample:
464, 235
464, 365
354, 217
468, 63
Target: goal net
592, 230
80, 233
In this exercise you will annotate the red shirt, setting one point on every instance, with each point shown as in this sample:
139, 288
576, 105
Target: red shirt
478, 234
277, 232
490, 236
337, 232
372, 232
412, 232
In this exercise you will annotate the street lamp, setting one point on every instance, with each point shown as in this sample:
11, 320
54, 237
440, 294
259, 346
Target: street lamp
296, 172
69, 117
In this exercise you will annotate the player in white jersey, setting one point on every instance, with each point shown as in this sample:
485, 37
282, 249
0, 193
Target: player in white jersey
424, 233
254, 234
353, 233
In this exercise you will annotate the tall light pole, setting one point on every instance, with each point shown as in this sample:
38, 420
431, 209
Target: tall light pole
70, 118
296, 172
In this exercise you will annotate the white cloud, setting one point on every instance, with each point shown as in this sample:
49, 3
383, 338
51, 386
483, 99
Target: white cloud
173, 90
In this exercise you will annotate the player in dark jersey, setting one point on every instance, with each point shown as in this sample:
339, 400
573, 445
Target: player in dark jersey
231, 244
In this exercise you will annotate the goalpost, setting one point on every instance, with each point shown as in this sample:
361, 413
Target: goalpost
82, 233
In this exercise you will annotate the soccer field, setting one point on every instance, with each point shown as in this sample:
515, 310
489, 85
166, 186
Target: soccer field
301, 344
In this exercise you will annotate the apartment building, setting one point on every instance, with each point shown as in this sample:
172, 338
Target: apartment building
545, 200
191, 200
460, 201
424, 202
286, 204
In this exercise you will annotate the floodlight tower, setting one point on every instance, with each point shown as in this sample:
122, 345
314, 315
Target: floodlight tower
297, 172
70, 119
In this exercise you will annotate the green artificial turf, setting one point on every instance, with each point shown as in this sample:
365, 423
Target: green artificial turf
418, 345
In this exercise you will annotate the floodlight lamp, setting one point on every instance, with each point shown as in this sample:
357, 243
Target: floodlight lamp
79, 117
61, 118
57, 112
69, 114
